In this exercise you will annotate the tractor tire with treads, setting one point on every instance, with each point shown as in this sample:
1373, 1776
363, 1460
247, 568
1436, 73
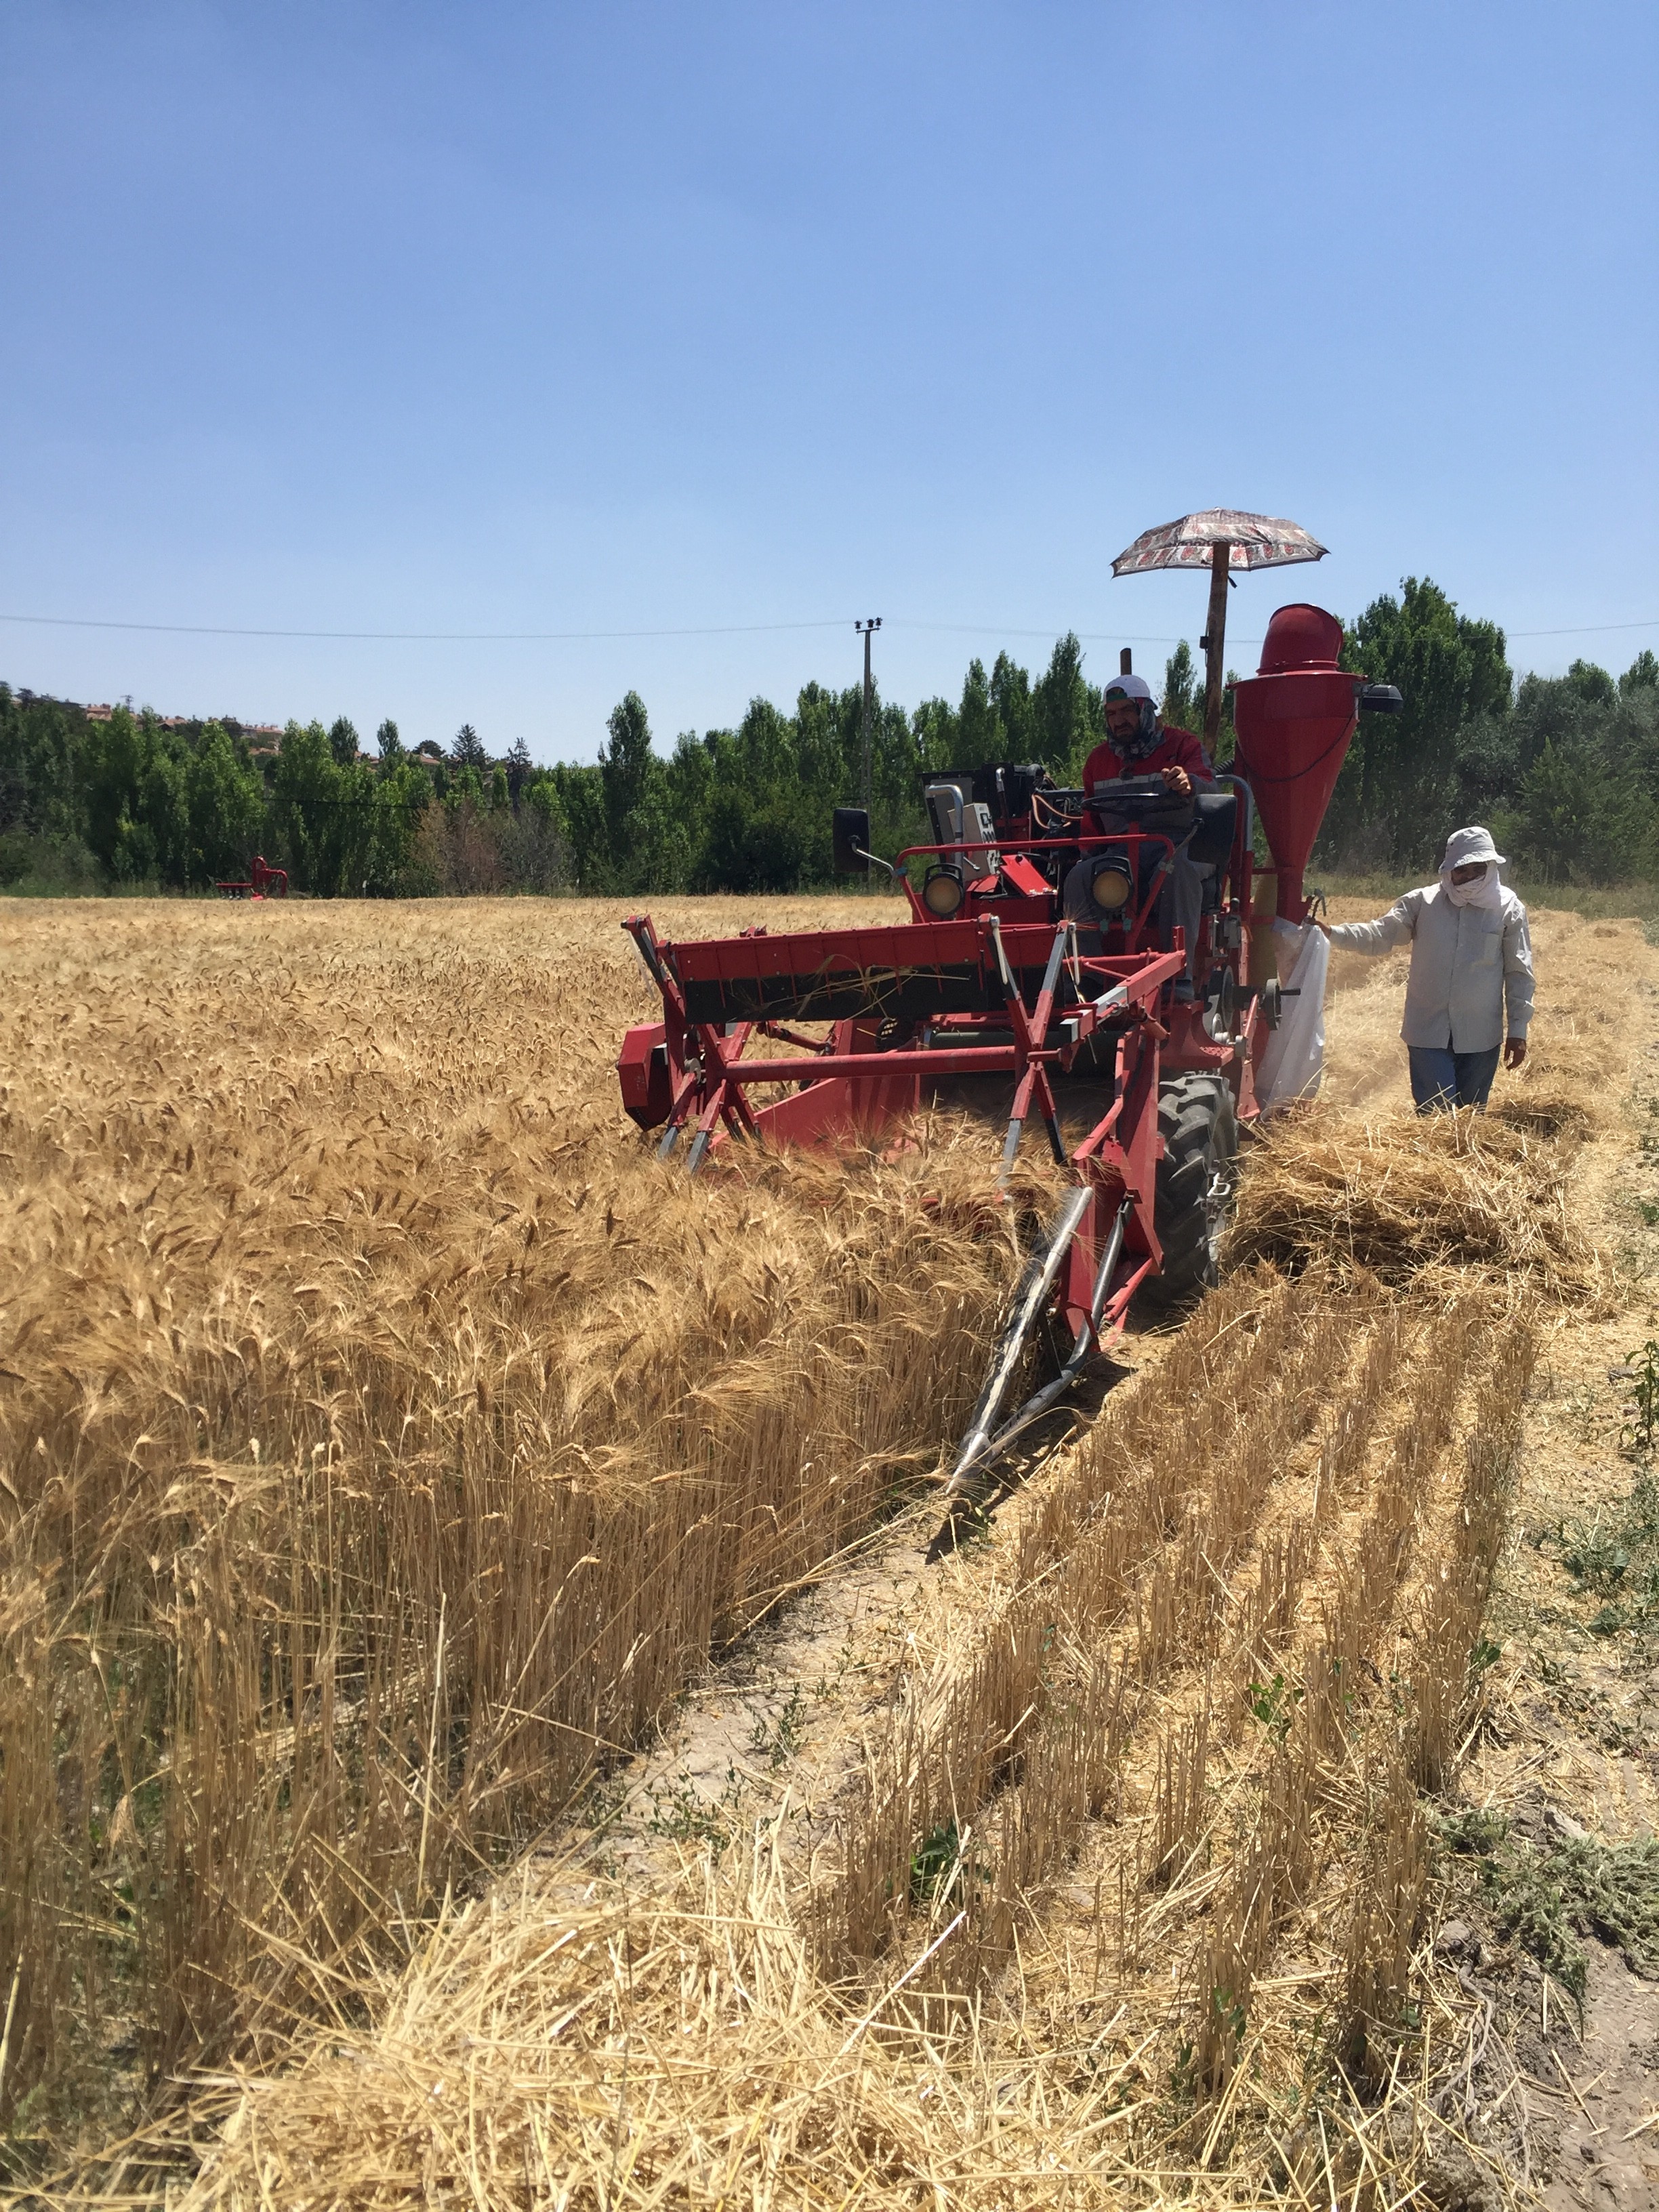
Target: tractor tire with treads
1195, 1180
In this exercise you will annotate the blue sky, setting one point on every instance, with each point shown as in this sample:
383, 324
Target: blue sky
635, 317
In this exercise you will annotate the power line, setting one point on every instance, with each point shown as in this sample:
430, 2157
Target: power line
715, 630
1584, 629
419, 636
1128, 637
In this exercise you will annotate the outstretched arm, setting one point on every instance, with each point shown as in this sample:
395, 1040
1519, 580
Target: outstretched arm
1397, 927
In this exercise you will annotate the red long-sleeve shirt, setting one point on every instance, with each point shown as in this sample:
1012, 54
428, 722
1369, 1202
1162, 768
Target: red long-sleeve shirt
1176, 748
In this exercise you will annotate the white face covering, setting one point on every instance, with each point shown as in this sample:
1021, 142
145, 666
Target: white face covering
1485, 891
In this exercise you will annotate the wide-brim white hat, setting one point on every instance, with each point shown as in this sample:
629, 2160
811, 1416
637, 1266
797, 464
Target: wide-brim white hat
1465, 847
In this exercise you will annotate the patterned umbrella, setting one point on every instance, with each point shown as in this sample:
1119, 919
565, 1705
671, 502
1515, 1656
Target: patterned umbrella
1253, 541
1220, 539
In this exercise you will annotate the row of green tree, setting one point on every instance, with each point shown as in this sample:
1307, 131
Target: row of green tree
1563, 770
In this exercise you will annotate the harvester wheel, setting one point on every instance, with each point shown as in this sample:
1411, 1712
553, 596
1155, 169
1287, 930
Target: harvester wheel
1195, 1179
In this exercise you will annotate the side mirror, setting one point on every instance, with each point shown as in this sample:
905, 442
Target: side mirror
1381, 699
849, 838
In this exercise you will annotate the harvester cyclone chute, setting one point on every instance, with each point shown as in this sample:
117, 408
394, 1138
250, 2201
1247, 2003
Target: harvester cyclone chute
1295, 719
1135, 1050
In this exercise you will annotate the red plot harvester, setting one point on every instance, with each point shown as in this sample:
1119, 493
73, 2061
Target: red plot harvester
986, 977
263, 881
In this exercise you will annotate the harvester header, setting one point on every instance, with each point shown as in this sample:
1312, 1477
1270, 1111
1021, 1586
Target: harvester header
1039, 957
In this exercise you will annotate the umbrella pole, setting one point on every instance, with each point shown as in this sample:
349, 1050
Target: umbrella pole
1214, 642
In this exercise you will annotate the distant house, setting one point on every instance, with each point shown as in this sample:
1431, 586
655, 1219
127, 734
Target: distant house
263, 738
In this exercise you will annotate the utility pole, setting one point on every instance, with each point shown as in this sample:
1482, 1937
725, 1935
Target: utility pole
863, 629
1214, 643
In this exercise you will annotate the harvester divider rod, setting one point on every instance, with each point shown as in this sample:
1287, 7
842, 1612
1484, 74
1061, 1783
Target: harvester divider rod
1092, 1145
725, 1103
1030, 1033
1109, 1262
776, 1031
1011, 1145
1052, 1392
1028, 1307
638, 927
994, 925
1045, 1004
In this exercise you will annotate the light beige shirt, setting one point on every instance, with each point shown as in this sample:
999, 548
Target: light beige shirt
1466, 960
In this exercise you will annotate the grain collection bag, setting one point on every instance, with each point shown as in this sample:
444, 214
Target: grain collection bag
1293, 1063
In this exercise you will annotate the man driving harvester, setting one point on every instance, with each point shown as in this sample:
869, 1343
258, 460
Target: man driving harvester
1138, 745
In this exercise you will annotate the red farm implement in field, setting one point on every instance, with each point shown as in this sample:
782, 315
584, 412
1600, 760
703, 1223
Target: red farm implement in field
1038, 953
263, 881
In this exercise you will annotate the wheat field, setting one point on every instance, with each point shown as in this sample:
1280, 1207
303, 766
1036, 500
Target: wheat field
386, 1444
384, 1439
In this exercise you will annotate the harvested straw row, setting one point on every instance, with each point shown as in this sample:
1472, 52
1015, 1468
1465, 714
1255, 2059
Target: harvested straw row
952, 1743
1454, 1604
1374, 1858
1398, 1195
1265, 1615
1412, 1747
1156, 1563
1304, 1707
1382, 1553
1343, 1879
1340, 1782
1181, 1605
1285, 1844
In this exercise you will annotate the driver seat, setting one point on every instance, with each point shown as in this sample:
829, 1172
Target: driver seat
1211, 845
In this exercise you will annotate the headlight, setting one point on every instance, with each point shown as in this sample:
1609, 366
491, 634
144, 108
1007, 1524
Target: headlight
942, 892
1110, 885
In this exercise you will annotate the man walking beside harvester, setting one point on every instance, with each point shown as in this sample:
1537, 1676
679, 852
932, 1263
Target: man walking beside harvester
1471, 963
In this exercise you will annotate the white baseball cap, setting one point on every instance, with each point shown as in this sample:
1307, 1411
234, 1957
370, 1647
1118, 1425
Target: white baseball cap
1128, 687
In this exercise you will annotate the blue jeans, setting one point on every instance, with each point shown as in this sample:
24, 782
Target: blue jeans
1442, 1078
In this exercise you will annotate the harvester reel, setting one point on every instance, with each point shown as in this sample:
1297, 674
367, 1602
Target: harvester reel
1196, 1179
